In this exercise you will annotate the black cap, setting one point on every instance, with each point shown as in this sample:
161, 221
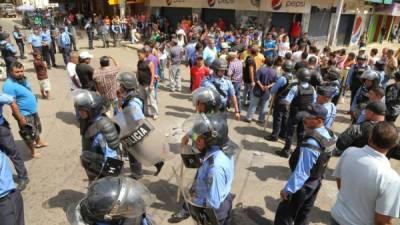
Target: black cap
314, 111
377, 107
326, 91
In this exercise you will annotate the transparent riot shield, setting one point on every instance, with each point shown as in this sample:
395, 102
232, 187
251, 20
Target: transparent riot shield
200, 214
74, 215
140, 138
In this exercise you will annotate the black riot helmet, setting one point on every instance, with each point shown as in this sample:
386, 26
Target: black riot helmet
209, 97
333, 73
213, 128
128, 81
304, 75
219, 64
111, 199
90, 101
288, 66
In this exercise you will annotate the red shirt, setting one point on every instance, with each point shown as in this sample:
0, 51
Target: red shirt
296, 30
198, 73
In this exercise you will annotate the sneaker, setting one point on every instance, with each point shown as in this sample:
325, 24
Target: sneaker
155, 117
179, 216
271, 138
284, 153
247, 120
158, 166
22, 183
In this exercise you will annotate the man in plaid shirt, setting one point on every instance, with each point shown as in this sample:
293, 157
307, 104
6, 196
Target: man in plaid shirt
106, 81
235, 74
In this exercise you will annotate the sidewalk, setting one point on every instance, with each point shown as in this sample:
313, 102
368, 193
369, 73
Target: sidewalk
128, 44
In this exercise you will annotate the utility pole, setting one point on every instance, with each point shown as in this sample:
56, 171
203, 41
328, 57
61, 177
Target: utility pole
122, 8
339, 9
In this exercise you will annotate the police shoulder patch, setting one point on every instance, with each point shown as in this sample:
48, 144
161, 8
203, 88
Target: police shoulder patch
210, 180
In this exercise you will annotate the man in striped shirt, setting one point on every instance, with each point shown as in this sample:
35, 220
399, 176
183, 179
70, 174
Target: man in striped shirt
235, 74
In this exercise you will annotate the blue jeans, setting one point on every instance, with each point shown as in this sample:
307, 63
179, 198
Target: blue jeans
66, 51
161, 68
237, 86
246, 92
254, 102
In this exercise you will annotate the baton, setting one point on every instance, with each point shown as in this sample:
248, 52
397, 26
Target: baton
269, 112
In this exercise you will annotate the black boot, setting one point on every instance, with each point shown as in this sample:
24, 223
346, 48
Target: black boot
158, 166
285, 153
179, 216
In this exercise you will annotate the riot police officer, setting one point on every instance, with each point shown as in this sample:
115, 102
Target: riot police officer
332, 79
370, 80
130, 98
8, 51
308, 164
392, 99
280, 90
357, 134
298, 99
111, 201
353, 82
207, 100
222, 85
11, 202
213, 182
100, 137
324, 96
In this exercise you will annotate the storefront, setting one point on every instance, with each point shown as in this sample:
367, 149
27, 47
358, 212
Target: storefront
382, 22
320, 20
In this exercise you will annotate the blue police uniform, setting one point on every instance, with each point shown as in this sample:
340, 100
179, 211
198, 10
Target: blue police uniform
331, 115
7, 140
214, 182
35, 41
280, 113
8, 52
223, 86
65, 45
99, 142
47, 49
294, 124
11, 203
303, 185
19, 39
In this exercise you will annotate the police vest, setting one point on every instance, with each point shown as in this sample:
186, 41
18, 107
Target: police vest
363, 95
327, 145
304, 97
392, 99
355, 79
283, 91
5, 52
108, 129
131, 97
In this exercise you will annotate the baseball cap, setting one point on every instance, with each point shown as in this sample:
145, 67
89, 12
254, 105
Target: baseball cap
224, 45
314, 111
377, 107
363, 49
85, 55
327, 91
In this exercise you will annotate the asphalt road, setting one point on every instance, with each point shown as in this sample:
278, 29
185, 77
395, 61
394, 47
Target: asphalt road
57, 179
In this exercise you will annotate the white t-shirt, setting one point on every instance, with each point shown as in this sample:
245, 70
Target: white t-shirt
283, 48
71, 73
296, 56
368, 185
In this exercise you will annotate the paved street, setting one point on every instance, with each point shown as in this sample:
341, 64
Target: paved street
57, 179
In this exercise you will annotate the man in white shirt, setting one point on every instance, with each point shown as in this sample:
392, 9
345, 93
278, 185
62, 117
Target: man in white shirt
369, 189
71, 72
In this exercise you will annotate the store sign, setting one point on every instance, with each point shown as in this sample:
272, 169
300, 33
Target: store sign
292, 6
391, 10
358, 29
176, 3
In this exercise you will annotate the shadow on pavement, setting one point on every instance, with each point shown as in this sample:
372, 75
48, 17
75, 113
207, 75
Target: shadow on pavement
249, 215
165, 193
259, 146
269, 171
342, 119
180, 109
180, 96
316, 215
67, 117
176, 114
30, 70
249, 130
63, 199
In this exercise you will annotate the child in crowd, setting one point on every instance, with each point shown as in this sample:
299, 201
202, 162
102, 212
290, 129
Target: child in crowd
41, 73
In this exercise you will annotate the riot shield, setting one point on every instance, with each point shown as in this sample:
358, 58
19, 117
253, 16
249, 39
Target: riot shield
140, 138
200, 214
74, 215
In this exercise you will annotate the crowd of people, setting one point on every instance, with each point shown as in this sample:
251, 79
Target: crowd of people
232, 70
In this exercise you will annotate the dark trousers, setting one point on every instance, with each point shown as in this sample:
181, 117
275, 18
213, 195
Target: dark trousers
135, 165
21, 47
12, 209
353, 94
46, 55
66, 52
280, 119
298, 206
7, 145
90, 37
293, 125
73, 42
